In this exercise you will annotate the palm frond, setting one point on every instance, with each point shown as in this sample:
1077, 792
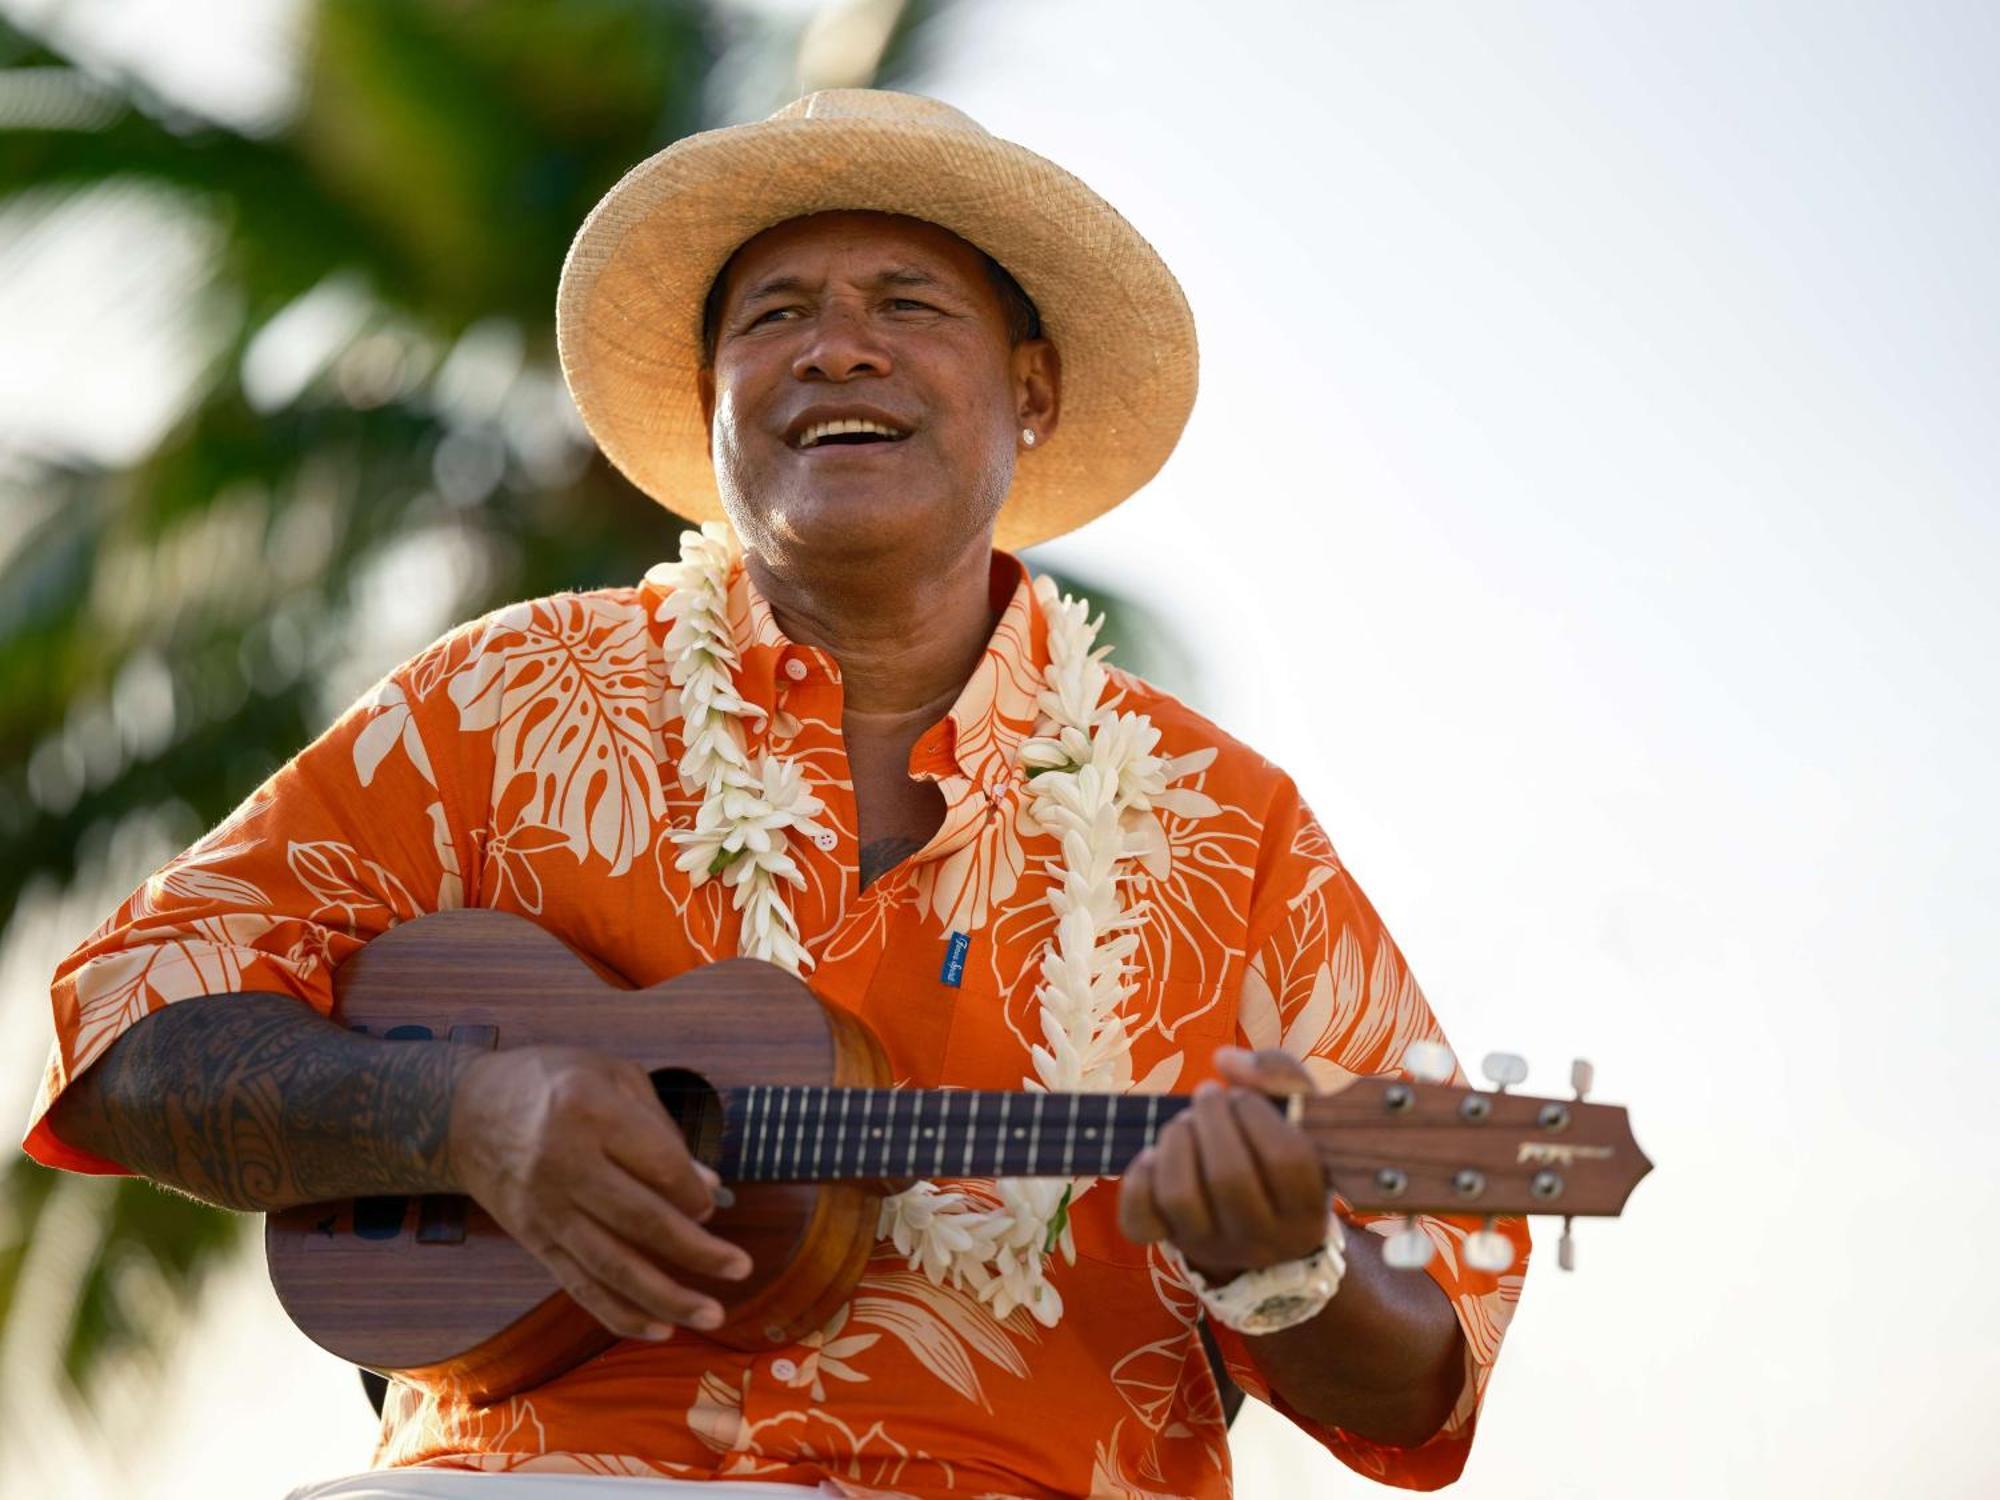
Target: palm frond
171, 630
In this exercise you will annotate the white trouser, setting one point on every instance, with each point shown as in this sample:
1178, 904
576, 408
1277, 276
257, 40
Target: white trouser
466, 1484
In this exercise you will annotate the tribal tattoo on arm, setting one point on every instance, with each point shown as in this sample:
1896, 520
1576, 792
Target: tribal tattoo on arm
256, 1102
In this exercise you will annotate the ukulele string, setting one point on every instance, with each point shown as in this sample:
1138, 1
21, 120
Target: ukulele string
814, 1133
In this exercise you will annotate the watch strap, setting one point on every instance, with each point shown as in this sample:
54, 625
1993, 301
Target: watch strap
1271, 1298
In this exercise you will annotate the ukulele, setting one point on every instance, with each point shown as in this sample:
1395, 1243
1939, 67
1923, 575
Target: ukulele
787, 1099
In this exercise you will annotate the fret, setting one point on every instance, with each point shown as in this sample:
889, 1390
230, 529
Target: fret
764, 1137
971, 1114
1110, 1114
887, 1129
1000, 1160
784, 1129
800, 1129
944, 1119
819, 1133
744, 1146
1069, 1136
791, 1129
873, 1131
892, 1122
1035, 1133
1152, 1119
840, 1134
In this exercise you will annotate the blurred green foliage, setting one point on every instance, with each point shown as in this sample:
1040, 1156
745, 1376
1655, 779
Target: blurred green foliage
167, 628
172, 630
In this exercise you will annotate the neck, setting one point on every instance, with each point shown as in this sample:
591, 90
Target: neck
813, 1134
906, 638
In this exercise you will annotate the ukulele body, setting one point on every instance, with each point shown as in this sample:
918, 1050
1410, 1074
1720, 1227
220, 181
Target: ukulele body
431, 1289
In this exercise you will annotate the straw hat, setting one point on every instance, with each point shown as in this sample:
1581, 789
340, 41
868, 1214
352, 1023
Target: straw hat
628, 312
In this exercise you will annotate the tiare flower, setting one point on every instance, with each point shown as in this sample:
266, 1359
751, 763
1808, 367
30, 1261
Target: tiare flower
1094, 784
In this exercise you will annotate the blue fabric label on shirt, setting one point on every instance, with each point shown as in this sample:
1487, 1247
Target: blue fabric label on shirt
954, 959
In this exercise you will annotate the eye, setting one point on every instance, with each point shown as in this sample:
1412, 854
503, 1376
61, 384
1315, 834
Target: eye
903, 302
767, 313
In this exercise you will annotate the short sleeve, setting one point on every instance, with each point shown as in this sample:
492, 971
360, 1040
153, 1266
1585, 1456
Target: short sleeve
1325, 982
360, 830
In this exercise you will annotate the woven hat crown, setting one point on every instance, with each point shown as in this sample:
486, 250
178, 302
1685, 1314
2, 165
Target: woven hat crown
878, 104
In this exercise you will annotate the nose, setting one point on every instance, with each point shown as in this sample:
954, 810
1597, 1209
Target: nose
841, 346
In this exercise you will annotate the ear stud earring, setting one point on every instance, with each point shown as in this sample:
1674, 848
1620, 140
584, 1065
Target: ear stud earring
1028, 437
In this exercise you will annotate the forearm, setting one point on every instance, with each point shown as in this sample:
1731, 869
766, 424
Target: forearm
1385, 1358
254, 1102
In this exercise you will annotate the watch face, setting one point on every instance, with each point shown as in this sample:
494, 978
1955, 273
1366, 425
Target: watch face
1283, 1310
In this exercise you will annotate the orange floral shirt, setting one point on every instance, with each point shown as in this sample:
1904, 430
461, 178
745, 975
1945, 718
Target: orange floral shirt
526, 762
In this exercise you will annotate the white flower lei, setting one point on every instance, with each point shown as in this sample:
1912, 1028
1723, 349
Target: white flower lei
1093, 782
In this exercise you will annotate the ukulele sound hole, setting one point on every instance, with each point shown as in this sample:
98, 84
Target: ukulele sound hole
693, 1105
380, 1218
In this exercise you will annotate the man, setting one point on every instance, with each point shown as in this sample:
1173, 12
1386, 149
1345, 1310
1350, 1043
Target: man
864, 747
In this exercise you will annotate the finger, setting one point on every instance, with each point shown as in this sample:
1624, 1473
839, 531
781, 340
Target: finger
1287, 1161
626, 1319
626, 1274
1230, 1180
653, 1226
639, 1084
645, 1141
1177, 1184
1269, 1071
1138, 1218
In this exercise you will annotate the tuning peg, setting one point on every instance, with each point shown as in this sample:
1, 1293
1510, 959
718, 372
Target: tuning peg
1430, 1062
1566, 1248
1489, 1250
1504, 1069
1581, 1076
1409, 1248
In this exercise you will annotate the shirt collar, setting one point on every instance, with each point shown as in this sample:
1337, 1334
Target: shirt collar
980, 736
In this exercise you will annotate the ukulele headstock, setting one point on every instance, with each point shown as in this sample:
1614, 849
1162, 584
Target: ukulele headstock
1392, 1145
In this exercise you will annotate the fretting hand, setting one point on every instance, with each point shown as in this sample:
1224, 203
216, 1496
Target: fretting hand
574, 1155
1229, 1182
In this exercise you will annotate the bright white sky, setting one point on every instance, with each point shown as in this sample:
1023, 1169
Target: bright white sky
1590, 502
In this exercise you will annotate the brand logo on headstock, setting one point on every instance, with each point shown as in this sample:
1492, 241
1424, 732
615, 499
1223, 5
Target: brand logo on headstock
1549, 1154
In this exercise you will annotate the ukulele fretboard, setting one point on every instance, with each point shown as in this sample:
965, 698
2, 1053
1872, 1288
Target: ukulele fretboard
784, 1134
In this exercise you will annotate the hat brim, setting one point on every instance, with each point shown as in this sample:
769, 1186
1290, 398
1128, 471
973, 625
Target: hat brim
628, 311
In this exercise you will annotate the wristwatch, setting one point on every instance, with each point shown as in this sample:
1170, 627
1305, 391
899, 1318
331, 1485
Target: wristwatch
1275, 1297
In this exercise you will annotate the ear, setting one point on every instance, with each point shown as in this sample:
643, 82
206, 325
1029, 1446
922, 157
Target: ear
1036, 370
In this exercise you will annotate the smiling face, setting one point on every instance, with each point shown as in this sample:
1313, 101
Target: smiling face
866, 398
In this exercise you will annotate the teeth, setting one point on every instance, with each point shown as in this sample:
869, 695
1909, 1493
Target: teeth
820, 430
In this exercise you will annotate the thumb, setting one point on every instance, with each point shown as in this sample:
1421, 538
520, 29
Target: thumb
1269, 1071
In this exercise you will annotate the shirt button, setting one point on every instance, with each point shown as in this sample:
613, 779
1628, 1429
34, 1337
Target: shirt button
795, 669
784, 1369
826, 838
